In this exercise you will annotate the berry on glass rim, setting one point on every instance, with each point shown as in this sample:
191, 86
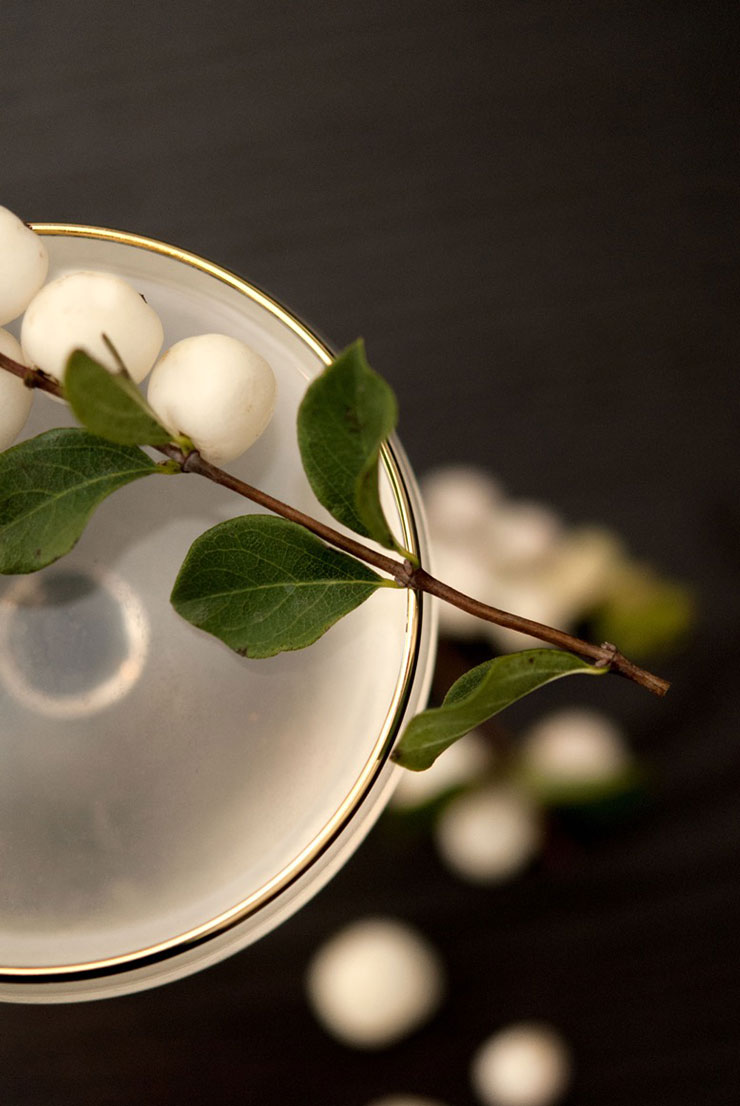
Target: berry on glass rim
81, 310
217, 391
15, 397
24, 264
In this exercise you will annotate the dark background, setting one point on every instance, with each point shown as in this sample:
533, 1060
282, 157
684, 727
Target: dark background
528, 209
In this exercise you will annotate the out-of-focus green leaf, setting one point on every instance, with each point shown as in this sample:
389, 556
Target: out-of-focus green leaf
644, 614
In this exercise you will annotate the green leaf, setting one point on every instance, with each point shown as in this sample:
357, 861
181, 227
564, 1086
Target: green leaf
346, 415
49, 487
478, 695
110, 404
264, 585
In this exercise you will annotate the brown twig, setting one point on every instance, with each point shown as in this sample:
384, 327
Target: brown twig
32, 378
193, 462
605, 655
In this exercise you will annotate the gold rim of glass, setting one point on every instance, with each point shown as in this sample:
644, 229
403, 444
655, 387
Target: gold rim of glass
318, 845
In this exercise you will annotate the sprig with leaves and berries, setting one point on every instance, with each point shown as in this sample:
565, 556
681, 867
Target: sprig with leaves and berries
263, 584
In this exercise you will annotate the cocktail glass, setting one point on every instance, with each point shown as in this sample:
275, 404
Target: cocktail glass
164, 802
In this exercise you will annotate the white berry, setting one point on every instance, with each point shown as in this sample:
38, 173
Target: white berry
24, 264
458, 500
582, 568
574, 746
374, 982
520, 534
488, 835
217, 391
524, 1065
15, 397
462, 763
76, 310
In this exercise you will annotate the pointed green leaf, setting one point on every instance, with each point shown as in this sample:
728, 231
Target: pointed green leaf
264, 585
478, 695
110, 404
49, 487
346, 415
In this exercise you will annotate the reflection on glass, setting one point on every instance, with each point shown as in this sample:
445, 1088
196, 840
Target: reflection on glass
72, 642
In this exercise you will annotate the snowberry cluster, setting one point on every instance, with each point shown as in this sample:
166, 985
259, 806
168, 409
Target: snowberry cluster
211, 388
514, 554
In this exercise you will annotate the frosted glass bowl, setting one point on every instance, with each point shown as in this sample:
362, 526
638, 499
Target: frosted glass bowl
164, 802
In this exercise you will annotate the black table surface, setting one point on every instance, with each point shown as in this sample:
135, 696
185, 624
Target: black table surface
528, 210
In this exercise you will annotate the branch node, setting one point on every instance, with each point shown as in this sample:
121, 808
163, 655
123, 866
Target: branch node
608, 656
190, 460
404, 573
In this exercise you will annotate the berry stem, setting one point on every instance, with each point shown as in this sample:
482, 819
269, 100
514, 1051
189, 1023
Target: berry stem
405, 573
